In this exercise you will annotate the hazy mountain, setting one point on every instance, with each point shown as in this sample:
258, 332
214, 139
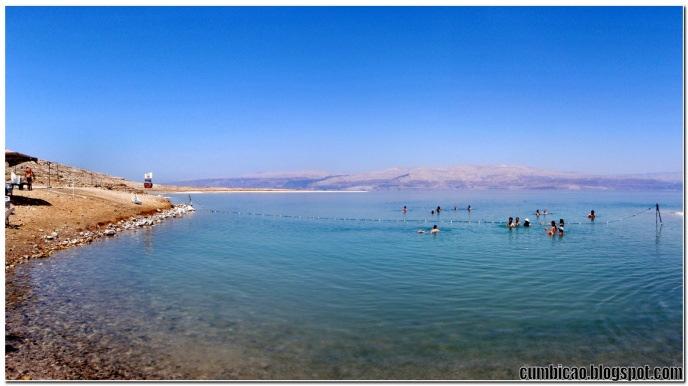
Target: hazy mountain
456, 177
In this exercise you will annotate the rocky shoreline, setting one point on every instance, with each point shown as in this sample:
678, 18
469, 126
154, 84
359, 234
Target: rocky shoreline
53, 242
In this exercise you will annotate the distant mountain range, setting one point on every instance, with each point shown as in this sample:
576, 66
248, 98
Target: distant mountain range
450, 178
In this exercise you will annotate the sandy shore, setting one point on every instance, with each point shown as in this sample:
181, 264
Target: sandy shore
44, 217
44, 222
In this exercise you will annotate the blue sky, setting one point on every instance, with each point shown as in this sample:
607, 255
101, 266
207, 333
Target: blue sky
218, 92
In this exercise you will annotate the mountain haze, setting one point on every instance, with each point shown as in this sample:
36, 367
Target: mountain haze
449, 178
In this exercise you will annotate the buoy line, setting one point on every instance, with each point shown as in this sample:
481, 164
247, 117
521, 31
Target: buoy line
407, 220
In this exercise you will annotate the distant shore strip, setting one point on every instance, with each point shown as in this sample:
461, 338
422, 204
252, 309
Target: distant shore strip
256, 191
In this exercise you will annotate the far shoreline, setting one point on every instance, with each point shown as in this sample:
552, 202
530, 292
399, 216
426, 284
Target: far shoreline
253, 191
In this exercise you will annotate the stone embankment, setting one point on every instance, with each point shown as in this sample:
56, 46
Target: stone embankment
53, 241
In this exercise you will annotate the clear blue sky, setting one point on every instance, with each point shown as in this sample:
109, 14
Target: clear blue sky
220, 92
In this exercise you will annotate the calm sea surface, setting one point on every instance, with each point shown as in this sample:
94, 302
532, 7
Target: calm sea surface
338, 286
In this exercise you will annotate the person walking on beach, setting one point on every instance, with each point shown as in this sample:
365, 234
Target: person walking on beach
28, 174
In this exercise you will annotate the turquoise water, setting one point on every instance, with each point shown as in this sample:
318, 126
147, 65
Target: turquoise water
240, 290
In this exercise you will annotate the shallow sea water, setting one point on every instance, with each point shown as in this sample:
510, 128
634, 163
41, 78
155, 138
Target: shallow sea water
257, 286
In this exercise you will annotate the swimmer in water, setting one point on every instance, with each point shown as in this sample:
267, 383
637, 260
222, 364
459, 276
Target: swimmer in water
552, 229
435, 229
526, 223
469, 208
591, 215
517, 222
537, 213
404, 210
432, 212
510, 223
438, 209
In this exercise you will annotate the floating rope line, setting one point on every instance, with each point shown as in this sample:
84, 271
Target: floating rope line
631, 216
414, 220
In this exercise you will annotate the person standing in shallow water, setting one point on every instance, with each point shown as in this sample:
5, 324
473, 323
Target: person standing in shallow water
591, 215
435, 229
553, 229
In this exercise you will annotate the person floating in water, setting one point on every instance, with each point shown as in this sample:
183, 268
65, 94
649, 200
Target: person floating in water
537, 213
526, 223
553, 229
591, 215
435, 229
404, 209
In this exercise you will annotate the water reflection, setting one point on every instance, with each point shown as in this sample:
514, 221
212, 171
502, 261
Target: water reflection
148, 241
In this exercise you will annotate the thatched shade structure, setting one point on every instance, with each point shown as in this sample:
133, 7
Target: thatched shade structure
15, 158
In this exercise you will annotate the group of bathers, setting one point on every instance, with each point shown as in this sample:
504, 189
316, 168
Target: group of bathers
512, 223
